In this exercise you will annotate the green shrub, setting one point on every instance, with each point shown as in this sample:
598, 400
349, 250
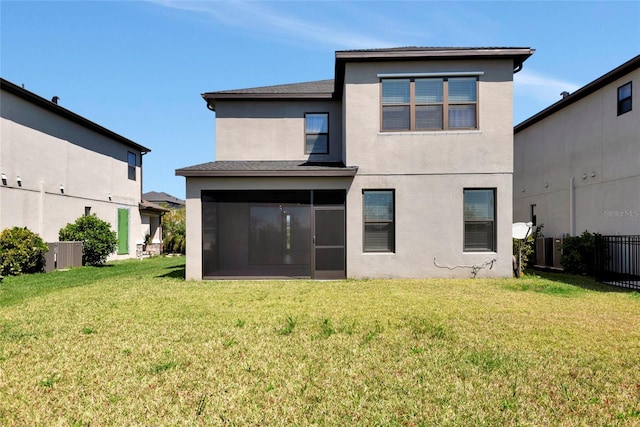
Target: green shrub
174, 231
579, 254
98, 241
21, 252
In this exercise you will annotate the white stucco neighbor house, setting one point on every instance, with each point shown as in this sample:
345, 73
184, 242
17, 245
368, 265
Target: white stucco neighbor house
57, 166
399, 166
577, 162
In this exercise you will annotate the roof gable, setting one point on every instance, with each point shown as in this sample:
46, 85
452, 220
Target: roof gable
67, 114
599, 83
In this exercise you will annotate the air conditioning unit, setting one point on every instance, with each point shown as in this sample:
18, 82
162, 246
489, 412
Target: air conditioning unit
540, 252
557, 252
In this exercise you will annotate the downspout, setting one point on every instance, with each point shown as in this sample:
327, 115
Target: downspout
572, 206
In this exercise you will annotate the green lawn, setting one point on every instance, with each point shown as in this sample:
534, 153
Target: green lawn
134, 344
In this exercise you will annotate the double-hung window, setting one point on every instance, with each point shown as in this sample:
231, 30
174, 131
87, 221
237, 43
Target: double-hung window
429, 103
624, 98
379, 221
316, 133
480, 219
131, 162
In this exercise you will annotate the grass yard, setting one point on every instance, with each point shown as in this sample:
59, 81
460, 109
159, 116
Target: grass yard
134, 344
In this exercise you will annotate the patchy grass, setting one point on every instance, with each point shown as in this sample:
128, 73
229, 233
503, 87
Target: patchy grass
133, 344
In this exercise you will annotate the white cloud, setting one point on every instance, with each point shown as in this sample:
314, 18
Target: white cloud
263, 17
541, 87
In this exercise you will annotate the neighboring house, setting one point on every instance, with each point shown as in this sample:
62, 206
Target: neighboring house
164, 199
57, 166
151, 218
577, 163
399, 167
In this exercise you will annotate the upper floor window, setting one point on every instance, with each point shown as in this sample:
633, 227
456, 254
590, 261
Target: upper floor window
480, 219
432, 103
131, 161
624, 98
316, 133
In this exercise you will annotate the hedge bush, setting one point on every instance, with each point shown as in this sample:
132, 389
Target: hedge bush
98, 241
579, 254
21, 252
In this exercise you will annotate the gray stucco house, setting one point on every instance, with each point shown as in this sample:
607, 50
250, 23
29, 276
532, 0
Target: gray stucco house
577, 162
56, 166
400, 166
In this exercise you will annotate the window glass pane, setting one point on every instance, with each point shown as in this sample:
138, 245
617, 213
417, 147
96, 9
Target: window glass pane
462, 89
378, 237
428, 90
395, 91
478, 205
478, 236
395, 118
462, 116
131, 158
317, 123
625, 105
378, 206
316, 144
624, 91
429, 117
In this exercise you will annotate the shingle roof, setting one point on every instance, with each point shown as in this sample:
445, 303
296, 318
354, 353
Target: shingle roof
155, 196
149, 206
332, 89
319, 86
273, 168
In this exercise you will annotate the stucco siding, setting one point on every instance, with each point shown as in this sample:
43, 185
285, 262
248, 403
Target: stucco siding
63, 168
428, 224
485, 150
272, 130
589, 142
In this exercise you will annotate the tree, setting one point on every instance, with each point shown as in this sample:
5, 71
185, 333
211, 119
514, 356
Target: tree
98, 241
21, 252
174, 231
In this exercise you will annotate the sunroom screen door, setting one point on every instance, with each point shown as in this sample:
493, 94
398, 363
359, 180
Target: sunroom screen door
329, 243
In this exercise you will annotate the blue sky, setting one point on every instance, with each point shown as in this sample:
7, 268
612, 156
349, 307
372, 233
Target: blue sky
139, 67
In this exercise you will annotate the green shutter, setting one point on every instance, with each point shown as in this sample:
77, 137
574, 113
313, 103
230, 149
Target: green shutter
123, 231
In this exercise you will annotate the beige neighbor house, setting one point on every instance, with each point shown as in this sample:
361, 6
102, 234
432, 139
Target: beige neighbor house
577, 163
399, 167
57, 166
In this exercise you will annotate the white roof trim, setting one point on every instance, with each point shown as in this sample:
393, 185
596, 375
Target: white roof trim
438, 74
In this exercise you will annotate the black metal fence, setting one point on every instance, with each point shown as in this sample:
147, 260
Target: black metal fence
618, 260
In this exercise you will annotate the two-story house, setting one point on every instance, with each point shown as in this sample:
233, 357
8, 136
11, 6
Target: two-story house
577, 162
401, 166
57, 166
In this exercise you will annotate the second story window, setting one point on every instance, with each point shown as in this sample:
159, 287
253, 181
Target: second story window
624, 98
432, 103
131, 161
316, 133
